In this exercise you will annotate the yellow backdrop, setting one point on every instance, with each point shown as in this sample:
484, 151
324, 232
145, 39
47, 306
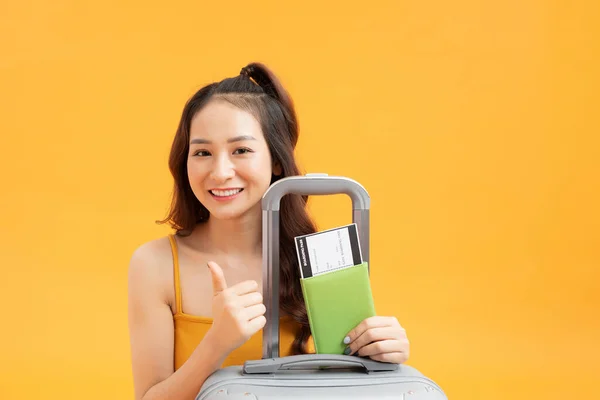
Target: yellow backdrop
473, 126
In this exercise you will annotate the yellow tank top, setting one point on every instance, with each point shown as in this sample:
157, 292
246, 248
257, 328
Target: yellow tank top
190, 330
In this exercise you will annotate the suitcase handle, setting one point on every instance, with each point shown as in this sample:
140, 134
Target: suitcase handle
315, 361
309, 184
315, 184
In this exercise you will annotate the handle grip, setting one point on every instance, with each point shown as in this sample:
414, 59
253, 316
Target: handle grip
316, 184
315, 361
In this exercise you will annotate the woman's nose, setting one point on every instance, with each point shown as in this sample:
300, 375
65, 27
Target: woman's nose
222, 170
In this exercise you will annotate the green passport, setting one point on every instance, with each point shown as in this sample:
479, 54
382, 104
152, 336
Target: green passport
336, 303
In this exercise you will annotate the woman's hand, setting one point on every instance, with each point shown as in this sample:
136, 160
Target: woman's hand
238, 311
380, 338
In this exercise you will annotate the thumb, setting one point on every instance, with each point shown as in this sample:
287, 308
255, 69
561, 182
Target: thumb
218, 279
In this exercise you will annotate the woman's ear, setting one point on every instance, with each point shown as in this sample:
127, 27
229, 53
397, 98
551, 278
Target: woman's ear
277, 169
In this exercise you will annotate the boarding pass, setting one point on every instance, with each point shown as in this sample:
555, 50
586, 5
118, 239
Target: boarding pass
329, 250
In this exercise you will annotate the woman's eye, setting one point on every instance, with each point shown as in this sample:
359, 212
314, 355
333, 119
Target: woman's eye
242, 150
202, 153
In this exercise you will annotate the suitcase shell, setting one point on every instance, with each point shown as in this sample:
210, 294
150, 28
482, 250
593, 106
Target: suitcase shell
405, 383
314, 376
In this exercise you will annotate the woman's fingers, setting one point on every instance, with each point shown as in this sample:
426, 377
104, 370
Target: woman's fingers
373, 335
250, 299
383, 346
369, 323
256, 324
244, 287
254, 311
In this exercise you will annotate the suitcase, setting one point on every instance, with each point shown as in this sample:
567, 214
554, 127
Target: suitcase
312, 376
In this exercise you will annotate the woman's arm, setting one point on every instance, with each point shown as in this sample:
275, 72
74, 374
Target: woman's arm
151, 338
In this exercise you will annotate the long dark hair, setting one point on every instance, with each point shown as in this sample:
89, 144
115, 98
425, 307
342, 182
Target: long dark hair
256, 90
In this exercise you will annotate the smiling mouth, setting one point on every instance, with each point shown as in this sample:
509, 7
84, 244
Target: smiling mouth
225, 193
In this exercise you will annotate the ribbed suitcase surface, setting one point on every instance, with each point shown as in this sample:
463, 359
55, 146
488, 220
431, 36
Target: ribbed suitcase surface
405, 383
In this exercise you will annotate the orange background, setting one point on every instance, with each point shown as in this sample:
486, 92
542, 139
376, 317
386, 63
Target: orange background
473, 126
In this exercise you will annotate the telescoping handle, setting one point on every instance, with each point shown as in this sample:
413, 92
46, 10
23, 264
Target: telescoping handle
309, 184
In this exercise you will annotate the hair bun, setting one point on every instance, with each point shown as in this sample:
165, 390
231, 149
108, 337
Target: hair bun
247, 70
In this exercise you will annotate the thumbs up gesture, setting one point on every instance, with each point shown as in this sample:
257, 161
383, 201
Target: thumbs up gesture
238, 311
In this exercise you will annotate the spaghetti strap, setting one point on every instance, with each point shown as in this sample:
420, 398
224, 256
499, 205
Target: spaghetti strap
176, 274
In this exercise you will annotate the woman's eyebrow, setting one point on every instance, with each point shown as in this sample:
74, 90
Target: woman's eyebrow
230, 140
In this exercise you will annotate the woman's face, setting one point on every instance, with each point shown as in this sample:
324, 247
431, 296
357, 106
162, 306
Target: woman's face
229, 164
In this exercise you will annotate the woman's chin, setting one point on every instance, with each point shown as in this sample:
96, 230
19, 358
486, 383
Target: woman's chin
232, 215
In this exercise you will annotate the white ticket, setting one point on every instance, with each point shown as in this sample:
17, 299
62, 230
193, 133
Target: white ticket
328, 250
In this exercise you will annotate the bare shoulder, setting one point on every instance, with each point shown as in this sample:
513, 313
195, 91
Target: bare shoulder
152, 253
151, 267
150, 314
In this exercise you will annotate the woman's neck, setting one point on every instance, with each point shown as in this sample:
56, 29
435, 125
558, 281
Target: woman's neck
240, 236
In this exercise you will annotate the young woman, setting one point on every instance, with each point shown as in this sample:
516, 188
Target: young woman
195, 301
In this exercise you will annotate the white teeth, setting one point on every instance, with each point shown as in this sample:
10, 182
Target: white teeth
225, 193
